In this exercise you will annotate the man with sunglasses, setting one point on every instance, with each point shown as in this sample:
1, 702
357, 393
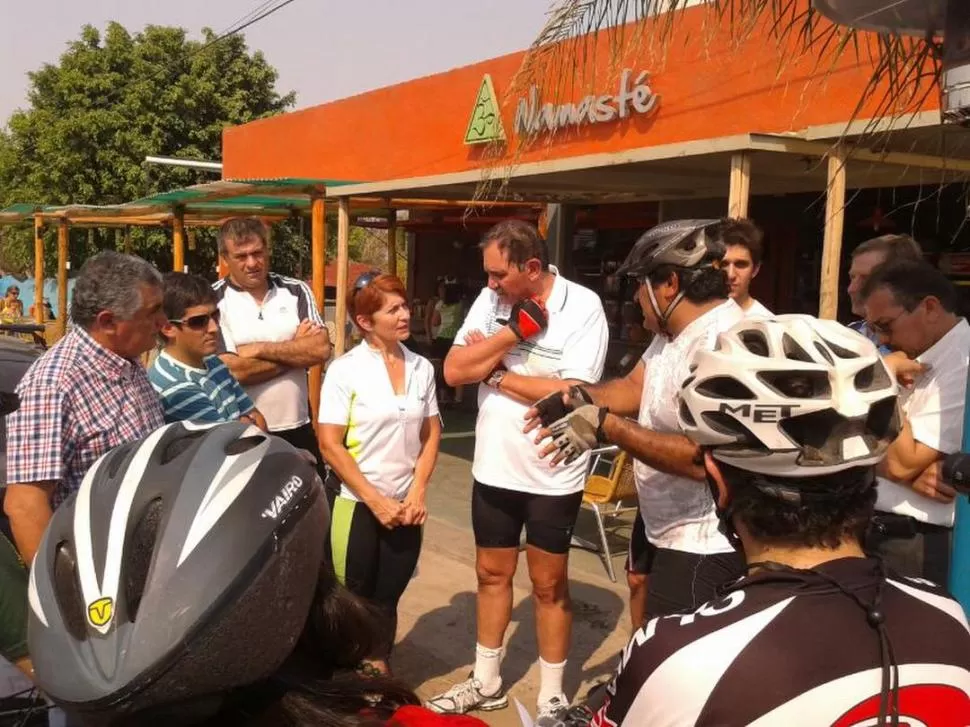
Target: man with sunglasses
192, 382
911, 307
271, 333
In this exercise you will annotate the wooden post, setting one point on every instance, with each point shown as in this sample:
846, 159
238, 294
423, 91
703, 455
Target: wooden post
392, 243
318, 262
740, 185
178, 240
343, 252
38, 269
127, 246
828, 299
62, 260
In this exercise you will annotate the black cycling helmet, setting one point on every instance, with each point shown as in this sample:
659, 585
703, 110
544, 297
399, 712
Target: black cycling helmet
682, 243
184, 566
690, 245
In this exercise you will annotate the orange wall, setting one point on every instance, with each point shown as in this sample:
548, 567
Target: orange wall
707, 89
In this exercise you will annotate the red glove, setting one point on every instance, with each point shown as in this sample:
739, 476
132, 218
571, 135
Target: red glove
528, 318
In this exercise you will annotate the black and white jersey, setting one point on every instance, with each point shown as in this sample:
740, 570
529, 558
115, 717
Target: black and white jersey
282, 400
789, 648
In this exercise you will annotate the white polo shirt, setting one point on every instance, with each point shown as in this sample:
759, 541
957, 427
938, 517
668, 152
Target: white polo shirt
757, 310
282, 400
934, 408
383, 428
678, 513
572, 347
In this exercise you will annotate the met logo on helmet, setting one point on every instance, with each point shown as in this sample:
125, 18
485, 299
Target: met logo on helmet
291, 487
759, 413
100, 612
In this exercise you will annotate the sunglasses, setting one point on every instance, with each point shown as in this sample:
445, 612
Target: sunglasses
364, 280
199, 322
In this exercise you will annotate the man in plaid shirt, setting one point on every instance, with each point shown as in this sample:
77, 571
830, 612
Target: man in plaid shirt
86, 395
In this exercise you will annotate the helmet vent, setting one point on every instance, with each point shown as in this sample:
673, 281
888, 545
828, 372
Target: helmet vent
794, 351
839, 351
244, 444
755, 342
724, 387
67, 590
141, 549
872, 378
179, 445
723, 423
685, 414
883, 420
798, 385
825, 353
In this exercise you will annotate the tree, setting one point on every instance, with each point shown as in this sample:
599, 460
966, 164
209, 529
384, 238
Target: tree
111, 100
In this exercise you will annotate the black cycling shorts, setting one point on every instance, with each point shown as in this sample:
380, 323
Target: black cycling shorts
498, 516
681, 581
639, 557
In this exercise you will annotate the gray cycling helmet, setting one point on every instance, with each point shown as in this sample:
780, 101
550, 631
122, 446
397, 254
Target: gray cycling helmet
682, 243
184, 566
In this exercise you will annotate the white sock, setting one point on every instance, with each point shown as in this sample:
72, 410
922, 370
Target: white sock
487, 664
550, 680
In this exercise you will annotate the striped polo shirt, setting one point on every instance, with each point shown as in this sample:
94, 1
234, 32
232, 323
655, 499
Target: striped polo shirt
202, 395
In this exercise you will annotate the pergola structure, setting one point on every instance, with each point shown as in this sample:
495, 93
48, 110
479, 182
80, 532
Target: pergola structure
209, 205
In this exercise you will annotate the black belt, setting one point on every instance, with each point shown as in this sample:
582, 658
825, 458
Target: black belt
891, 525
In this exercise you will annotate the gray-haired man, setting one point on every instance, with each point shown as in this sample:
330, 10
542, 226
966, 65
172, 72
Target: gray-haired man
86, 395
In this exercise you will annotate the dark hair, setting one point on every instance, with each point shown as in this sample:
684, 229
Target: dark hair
520, 241
912, 282
241, 228
700, 285
818, 521
893, 247
110, 281
743, 232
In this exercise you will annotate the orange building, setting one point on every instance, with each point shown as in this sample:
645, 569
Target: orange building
709, 126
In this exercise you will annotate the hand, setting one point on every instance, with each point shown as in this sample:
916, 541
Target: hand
930, 484
528, 318
555, 406
574, 434
904, 368
416, 511
390, 513
307, 328
475, 336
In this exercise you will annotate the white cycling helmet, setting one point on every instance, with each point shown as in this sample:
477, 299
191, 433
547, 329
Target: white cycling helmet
791, 396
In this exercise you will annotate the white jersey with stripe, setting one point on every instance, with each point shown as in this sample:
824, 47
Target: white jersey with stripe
282, 400
789, 648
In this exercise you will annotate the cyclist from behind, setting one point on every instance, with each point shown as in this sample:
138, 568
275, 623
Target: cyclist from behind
791, 416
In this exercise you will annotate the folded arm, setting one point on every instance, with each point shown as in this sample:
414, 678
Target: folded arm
472, 363
907, 458
300, 353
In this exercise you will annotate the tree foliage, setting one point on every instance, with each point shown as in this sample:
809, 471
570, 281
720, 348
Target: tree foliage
111, 100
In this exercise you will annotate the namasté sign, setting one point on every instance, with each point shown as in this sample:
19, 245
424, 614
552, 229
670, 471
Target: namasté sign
634, 96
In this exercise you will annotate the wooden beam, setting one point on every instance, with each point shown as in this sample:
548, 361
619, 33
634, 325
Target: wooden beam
63, 231
343, 253
178, 240
828, 302
39, 269
740, 193
392, 243
318, 238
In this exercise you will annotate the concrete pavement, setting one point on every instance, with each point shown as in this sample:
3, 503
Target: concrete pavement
436, 632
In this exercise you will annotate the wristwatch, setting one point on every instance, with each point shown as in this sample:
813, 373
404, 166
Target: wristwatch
495, 378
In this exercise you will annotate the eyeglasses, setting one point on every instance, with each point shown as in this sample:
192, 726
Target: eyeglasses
199, 322
885, 327
364, 280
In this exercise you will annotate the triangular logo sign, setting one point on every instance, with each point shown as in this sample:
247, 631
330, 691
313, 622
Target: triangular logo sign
485, 125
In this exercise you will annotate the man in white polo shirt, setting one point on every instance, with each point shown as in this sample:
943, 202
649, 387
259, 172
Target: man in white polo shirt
528, 332
271, 333
912, 306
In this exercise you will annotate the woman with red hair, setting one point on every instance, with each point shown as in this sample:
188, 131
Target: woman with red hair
380, 433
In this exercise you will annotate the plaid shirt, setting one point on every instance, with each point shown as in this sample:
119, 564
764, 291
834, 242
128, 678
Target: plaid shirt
77, 401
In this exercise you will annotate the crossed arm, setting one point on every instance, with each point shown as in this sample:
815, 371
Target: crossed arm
255, 363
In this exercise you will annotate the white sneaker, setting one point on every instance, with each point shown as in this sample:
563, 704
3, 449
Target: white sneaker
466, 696
552, 712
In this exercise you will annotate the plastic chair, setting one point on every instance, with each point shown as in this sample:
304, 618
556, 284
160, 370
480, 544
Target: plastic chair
605, 496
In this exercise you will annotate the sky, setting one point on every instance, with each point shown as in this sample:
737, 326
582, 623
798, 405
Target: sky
323, 49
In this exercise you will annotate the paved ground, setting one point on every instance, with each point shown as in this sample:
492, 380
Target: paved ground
436, 636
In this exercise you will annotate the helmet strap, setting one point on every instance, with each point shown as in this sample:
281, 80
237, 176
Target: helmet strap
663, 317
725, 524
